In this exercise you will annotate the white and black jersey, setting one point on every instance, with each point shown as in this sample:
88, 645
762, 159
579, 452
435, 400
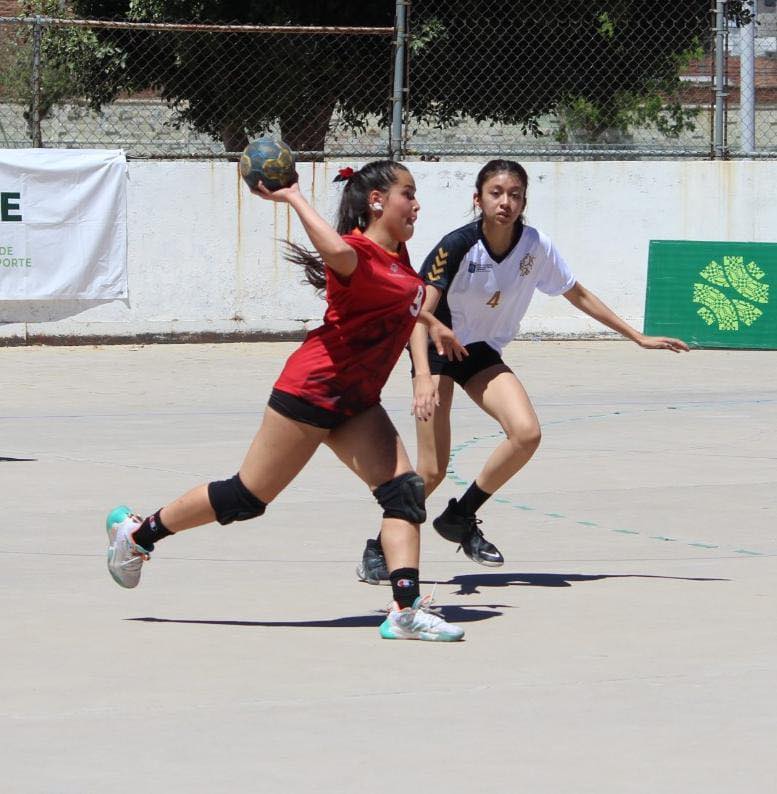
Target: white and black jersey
484, 297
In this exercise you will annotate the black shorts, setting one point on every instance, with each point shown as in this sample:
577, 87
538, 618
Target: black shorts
481, 356
303, 411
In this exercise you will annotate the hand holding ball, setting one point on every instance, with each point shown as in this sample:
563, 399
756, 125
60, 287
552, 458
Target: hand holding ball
269, 161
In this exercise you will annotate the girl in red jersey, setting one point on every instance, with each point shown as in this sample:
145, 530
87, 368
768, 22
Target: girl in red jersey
329, 392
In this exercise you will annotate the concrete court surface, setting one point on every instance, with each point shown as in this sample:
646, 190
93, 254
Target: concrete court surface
627, 645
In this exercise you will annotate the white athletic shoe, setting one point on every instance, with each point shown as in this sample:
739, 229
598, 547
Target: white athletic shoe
419, 622
125, 557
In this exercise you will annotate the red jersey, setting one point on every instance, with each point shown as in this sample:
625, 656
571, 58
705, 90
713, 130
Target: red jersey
343, 365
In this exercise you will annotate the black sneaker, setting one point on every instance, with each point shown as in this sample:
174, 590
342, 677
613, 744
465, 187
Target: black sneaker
372, 569
465, 531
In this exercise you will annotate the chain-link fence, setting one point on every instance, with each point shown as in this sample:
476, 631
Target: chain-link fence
575, 79
450, 79
177, 90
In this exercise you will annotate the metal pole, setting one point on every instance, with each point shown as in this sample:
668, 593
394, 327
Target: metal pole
37, 139
747, 85
395, 135
719, 132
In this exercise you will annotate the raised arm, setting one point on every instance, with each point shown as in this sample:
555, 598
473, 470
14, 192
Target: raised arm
336, 253
590, 304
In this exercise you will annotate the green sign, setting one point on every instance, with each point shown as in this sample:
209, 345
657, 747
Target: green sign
712, 294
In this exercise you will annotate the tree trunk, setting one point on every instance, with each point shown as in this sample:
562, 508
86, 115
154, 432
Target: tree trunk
306, 129
233, 137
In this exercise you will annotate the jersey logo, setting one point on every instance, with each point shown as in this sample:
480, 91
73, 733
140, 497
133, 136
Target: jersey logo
438, 266
527, 263
480, 267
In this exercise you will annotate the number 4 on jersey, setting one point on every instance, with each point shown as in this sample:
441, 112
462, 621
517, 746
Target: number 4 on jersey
493, 301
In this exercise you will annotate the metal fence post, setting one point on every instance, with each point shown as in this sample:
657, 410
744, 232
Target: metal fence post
397, 97
747, 85
719, 127
37, 139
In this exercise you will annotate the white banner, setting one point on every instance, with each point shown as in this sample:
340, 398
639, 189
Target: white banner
63, 224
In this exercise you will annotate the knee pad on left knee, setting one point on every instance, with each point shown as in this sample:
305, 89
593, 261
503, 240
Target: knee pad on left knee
232, 501
403, 497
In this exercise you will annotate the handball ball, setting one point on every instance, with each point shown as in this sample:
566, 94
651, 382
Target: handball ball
267, 160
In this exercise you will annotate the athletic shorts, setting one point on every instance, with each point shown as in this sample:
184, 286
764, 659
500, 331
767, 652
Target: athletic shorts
481, 356
303, 411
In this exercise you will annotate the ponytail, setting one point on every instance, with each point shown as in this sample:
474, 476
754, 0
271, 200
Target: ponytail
353, 213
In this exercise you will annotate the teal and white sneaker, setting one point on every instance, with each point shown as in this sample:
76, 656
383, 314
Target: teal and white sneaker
419, 622
125, 557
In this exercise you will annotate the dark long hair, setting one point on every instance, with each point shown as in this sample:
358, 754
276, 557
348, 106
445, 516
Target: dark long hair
352, 213
494, 167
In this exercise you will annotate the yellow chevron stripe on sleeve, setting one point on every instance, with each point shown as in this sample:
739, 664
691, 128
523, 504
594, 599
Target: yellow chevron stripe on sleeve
438, 266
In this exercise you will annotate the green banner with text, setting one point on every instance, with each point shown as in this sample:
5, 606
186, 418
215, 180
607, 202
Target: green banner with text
712, 294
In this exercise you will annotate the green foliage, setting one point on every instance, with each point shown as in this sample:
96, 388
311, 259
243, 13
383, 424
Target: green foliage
606, 26
67, 57
600, 68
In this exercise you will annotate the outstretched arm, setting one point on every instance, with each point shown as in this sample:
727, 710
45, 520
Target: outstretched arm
335, 252
590, 304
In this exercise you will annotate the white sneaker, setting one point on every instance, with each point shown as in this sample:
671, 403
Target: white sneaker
125, 557
419, 622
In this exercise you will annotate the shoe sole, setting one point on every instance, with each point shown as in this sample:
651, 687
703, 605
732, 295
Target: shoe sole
114, 576
423, 637
362, 576
486, 563
115, 517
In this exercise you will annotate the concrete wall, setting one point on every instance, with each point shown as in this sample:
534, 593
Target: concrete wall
205, 257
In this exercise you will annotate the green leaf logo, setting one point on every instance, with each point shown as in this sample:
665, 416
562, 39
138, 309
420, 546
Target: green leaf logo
730, 293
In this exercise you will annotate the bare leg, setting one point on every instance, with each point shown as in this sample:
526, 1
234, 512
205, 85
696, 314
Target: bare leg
370, 446
279, 451
501, 395
434, 437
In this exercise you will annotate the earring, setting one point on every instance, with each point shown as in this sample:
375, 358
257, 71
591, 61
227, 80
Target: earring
376, 206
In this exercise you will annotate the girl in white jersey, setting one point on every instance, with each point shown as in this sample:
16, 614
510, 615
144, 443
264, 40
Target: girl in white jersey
479, 282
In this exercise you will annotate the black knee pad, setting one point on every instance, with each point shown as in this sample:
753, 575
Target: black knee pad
232, 501
403, 497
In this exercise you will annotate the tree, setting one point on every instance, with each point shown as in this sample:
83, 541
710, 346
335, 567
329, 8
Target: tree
596, 66
233, 85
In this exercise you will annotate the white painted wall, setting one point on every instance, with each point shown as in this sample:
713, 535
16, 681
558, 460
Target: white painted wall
204, 256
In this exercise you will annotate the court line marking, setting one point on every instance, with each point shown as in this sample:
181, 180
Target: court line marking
452, 474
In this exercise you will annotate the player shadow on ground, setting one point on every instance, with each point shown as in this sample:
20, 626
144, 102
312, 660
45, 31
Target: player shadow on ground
16, 460
468, 583
453, 614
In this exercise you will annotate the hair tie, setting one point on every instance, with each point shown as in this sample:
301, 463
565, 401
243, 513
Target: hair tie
344, 174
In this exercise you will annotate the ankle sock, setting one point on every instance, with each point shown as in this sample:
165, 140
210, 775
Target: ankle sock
150, 531
472, 501
405, 586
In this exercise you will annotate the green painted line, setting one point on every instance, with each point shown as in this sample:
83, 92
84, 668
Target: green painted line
453, 475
